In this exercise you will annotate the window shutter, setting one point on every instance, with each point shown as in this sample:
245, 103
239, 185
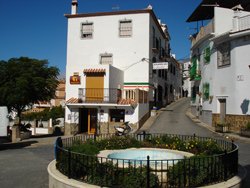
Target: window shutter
207, 54
206, 91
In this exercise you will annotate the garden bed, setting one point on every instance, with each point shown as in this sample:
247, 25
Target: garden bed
213, 161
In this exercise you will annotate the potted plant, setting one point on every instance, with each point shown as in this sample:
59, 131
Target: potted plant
245, 131
221, 127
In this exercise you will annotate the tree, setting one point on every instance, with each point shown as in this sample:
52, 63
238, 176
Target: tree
25, 81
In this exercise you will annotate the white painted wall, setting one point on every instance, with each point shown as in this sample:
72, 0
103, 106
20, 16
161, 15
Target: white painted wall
230, 82
116, 78
127, 55
4, 120
223, 20
126, 51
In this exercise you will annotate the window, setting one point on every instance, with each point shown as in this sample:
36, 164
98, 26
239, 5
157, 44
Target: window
154, 41
171, 88
223, 54
87, 31
157, 43
166, 74
106, 59
206, 91
206, 56
125, 28
159, 73
117, 115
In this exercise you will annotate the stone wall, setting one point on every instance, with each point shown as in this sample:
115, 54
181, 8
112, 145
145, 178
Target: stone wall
71, 129
109, 127
236, 122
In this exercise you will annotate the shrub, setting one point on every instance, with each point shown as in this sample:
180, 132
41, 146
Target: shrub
88, 148
248, 126
198, 170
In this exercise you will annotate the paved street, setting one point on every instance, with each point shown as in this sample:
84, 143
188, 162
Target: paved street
26, 167
173, 120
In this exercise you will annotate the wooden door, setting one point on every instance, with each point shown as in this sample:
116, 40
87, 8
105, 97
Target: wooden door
94, 87
92, 120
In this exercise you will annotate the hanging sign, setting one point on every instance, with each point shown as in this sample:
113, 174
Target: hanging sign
75, 79
161, 65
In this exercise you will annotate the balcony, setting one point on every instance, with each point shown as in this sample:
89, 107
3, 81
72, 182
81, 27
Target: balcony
95, 95
241, 23
110, 96
203, 33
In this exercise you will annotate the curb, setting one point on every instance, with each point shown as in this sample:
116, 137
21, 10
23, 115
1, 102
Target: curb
57, 179
225, 135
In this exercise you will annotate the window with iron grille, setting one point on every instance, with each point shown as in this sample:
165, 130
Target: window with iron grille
223, 54
154, 41
87, 30
106, 59
125, 28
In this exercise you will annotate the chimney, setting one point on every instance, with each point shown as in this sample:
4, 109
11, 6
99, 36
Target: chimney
74, 6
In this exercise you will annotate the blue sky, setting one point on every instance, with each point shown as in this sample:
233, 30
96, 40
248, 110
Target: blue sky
38, 28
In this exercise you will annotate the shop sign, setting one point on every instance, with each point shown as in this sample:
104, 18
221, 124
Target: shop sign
161, 65
75, 79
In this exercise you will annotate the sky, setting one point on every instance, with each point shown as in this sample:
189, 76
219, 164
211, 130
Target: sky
38, 28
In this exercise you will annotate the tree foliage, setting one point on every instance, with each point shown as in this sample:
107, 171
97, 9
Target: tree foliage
54, 113
25, 81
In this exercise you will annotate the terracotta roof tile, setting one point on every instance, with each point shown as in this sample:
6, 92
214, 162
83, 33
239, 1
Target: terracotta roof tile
94, 70
73, 100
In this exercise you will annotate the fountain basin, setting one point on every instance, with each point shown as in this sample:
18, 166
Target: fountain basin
159, 158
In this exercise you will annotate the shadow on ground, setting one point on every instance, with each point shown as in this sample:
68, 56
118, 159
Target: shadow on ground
246, 182
17, 145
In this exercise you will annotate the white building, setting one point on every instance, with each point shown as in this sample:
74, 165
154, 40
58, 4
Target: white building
186, 87
221, 65
109, 71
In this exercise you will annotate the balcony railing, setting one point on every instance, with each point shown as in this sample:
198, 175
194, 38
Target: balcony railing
99, 95
204, 31
111, 95
241, 23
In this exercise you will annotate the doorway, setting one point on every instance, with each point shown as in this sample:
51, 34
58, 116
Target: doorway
222, 110
88, 120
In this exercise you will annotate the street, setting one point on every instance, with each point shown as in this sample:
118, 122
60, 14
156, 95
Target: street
174, 121
26, 167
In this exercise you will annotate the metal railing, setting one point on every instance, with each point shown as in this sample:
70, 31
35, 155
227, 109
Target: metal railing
244, 23
99, 95
187, 172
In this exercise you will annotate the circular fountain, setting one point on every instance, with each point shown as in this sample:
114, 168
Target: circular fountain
138, 156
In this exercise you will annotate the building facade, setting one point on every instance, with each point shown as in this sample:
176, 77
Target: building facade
109, 72
220, 68
186, 87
